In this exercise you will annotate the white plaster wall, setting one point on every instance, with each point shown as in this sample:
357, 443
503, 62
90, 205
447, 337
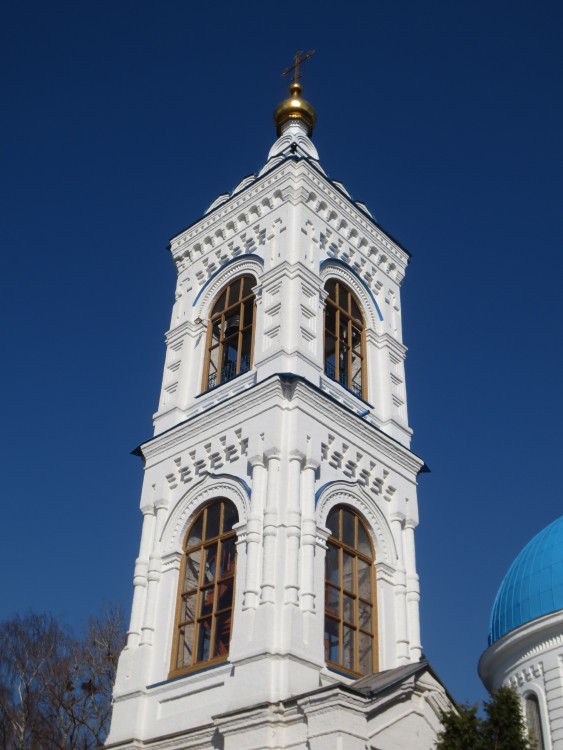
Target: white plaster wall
288, 443
283, 229
284, 450
530, 660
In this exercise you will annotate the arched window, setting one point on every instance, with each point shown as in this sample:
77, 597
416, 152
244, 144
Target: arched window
205, 593
344, 338
350, 601
231, 328
533, 720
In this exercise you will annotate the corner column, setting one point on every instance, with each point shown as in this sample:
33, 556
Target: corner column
308, 536
293, 528
397, 520
413, 591
153, 576
140, 577
270, 527
254, 533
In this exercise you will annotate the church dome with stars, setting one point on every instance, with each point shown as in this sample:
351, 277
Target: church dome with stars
533, 586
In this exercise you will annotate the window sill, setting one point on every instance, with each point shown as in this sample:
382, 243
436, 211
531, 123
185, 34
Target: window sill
235, 379
199, 672
342, 393
336, 669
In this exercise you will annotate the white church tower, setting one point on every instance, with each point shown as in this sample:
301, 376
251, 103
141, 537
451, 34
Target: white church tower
276, 596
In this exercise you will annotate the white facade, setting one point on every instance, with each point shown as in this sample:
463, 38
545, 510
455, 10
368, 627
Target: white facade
529, 659
285, 444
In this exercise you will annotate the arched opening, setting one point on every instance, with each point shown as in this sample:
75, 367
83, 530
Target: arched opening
533, 721
350, 596
206, 589
344, 338
231, 333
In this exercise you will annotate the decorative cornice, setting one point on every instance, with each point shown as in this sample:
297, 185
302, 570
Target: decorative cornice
255, 202
209, 488
521, 644
333, 268
267, 394
340, 493
250, 264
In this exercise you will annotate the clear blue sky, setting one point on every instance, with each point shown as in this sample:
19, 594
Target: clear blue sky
122, 122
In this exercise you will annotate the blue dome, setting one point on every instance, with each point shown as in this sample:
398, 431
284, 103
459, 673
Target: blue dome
533, 585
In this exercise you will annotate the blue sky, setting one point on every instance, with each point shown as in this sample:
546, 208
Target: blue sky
124, 120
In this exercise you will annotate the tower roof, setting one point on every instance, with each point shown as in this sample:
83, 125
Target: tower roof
533, 586
295, 109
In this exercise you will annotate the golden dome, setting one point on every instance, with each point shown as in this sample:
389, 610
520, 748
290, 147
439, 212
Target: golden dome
295, 108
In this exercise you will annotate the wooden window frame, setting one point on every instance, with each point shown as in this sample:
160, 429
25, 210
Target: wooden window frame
343, 315
198, 619
338, 616
244, 359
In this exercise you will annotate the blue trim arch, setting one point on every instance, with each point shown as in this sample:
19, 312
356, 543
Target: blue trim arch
248, 256
336, 262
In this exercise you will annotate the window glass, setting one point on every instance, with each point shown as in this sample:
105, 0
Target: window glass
189, 601
196, 532
333, 523
332, 600
185, 645
344, 338
248, 313
364, 616
234, 292
225, 600
228, 551
533, 720
332, 640
206, 601
247, 284
222, 634
348, 647
229, 344
213, 513
332, 564
330, 319
364, 579
356, 314
229, 517
348, 528
350, 605
330, 287
348, 571
364, 545
192, 570
366, 653
220, 304
206, 592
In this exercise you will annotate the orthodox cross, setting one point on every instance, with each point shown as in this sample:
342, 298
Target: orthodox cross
299, 58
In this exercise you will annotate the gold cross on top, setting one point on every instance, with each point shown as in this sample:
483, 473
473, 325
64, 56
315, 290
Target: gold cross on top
299, 58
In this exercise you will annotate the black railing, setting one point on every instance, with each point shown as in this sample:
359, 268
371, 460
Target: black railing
228, 372
342, 378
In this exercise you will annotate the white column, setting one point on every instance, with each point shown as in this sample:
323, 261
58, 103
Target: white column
270, 527
308, 536
403, 656
192, 353
413, 591
254, 533
140, 577
293, 528
153, 575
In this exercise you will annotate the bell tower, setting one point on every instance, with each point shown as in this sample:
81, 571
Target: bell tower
276, 576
